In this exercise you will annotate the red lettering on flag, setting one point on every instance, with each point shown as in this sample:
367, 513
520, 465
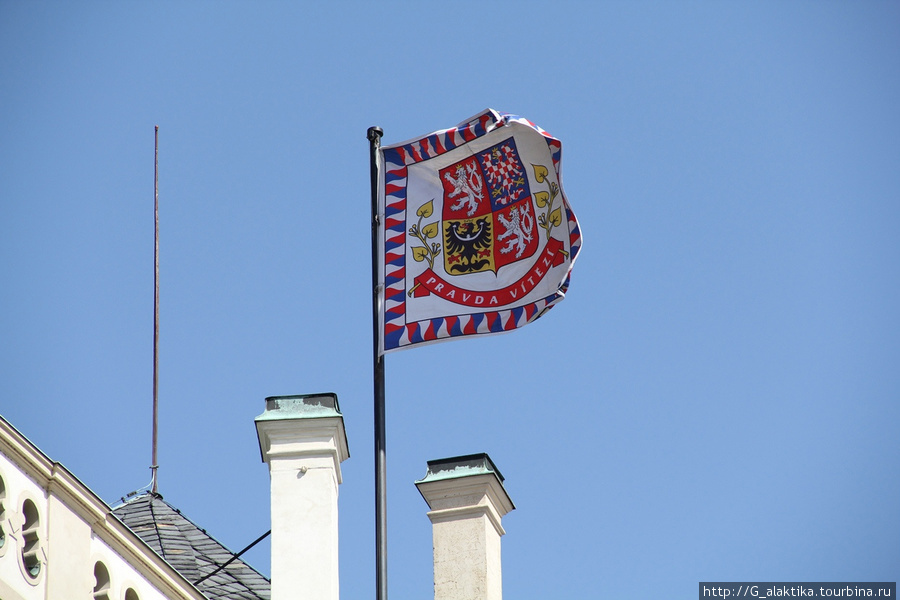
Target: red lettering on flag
430, 283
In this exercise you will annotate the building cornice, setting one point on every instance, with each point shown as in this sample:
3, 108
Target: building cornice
58, 481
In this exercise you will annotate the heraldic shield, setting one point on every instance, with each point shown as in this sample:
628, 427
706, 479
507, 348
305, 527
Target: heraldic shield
477, 236
488, 220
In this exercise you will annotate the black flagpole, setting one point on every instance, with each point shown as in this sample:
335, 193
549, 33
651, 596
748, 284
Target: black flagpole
374, 136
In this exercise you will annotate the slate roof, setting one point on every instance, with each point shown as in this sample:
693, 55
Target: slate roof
191, 551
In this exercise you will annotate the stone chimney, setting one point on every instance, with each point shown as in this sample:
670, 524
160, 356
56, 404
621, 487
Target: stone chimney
302, 439
467, 502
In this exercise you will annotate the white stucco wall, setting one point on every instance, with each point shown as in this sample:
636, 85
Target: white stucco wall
122, 574
304, 529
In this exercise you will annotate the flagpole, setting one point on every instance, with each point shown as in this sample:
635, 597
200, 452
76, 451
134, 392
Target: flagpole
374, 136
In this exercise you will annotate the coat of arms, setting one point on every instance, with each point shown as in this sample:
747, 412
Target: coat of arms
488, 219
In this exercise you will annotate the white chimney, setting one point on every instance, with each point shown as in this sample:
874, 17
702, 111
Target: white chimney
302, 439
467, 502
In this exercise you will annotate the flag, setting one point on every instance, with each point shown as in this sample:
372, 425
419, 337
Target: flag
476, 236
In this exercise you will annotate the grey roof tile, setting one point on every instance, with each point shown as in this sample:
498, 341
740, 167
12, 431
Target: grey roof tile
191, 551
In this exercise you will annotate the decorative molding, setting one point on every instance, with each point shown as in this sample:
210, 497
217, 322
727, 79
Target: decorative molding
467, 512
297, 438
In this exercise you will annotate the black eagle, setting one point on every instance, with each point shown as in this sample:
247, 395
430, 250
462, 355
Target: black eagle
466, 242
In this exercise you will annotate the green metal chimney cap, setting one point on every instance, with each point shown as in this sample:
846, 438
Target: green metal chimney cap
304, 406
460, 466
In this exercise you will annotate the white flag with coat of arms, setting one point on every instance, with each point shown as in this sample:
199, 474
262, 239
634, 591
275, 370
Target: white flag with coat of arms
476, 234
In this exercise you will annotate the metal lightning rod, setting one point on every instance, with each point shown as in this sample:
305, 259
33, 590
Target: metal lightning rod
153, 463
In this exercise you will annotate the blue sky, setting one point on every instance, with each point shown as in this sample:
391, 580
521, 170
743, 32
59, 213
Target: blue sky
717, 399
